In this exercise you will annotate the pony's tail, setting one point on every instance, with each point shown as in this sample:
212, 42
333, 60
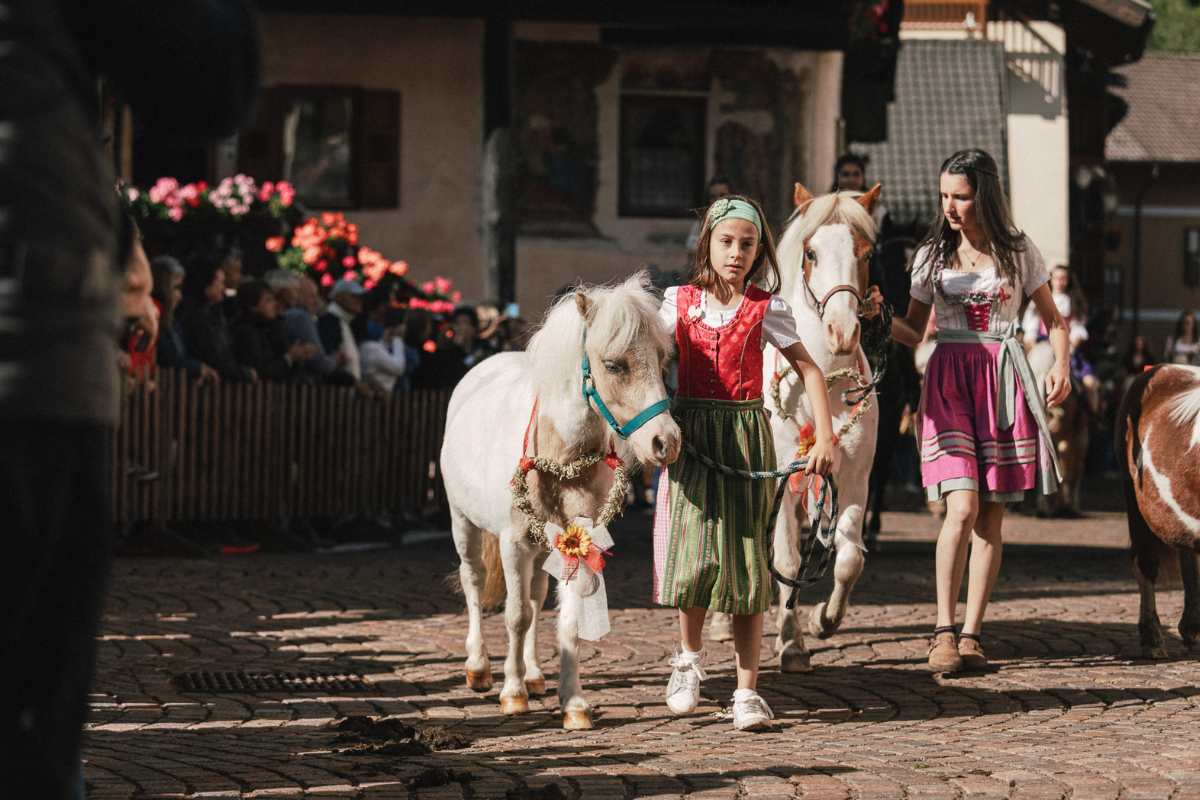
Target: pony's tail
494, 591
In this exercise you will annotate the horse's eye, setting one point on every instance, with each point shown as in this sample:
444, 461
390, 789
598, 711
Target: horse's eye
615, 367
810, 255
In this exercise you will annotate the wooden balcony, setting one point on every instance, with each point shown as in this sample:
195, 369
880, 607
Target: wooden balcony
946, 15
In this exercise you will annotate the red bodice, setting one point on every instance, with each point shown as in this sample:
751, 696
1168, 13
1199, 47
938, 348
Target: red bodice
724, 363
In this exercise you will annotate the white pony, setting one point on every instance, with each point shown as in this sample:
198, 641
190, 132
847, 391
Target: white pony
490, 409
823, 270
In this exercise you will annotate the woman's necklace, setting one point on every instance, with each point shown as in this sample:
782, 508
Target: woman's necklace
979, 256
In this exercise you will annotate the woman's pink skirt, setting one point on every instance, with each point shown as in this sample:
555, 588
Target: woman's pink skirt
962, 446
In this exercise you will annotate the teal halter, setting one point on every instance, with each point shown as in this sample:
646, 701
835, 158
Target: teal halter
590, 394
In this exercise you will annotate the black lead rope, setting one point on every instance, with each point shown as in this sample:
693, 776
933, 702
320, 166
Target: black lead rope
876, 337
817, 546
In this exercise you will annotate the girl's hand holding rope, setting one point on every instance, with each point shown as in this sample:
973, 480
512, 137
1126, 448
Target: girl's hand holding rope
820, 457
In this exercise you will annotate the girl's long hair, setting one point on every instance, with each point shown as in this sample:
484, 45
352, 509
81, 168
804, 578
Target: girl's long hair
764, 270
992, 214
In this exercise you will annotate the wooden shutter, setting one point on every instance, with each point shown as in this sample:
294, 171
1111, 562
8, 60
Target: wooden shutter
378, 150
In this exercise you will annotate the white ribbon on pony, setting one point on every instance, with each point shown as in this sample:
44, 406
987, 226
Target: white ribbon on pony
576, 573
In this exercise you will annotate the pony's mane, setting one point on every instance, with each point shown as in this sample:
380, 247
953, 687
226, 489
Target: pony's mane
829, 209
621, 314
1185, 409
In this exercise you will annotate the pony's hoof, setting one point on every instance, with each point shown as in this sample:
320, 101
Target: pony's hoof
794, 660
480, 681
1154, 652
514, 705
535, 686
819, 625
577, 719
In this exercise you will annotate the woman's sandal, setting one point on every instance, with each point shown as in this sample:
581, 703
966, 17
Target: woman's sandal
943, 651
971, 652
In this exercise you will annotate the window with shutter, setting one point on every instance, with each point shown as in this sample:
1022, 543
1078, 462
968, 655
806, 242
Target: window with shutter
662, 155
339, 146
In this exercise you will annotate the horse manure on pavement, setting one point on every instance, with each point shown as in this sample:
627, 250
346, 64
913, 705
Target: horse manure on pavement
366, 736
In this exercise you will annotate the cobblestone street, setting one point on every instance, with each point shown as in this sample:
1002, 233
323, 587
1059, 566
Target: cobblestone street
1069, 711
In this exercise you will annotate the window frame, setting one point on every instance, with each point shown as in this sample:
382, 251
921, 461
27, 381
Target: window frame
695, 100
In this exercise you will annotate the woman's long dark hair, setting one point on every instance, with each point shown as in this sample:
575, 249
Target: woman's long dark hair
1179, 326
991, 213
703, 274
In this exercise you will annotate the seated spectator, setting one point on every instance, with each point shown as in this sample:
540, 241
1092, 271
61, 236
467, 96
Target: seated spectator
229, 258
345, 303
171, 352
1139, 357
382, 352
203, 324
456, 353
1183, 346
300, 302
416, 327
260, 336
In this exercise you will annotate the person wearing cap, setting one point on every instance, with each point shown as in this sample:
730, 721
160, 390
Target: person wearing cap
345, 303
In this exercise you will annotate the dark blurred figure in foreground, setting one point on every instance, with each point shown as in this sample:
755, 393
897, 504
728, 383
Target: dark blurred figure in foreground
63, 247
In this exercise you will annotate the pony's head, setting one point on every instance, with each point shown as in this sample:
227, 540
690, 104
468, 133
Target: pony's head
823, 260
627, 347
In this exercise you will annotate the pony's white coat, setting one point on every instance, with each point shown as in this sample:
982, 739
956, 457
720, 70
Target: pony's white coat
1186, 408
486, 418
1163, 484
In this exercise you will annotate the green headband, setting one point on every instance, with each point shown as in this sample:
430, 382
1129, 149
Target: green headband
727, 208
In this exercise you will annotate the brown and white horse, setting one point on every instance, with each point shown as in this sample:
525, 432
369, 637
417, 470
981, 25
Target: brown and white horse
1158, 437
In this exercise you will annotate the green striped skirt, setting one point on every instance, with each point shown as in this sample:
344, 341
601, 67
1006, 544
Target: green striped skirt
709, 529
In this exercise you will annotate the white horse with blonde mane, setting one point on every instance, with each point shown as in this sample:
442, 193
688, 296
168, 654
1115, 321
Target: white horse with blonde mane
618, 329
824, 277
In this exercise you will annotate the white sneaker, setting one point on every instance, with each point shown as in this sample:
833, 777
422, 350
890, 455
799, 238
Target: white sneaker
750, 712
683, 690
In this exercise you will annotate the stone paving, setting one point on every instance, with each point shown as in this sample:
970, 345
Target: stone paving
1069, 711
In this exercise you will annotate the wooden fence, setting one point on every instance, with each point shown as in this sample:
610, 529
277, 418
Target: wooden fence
268, 450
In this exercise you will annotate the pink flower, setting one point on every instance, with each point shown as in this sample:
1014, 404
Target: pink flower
399, 268
176, 213
427, 287
348, 261
132, 194
327, 279
162, 188
274, 244
369, 284
349, 275
443, 285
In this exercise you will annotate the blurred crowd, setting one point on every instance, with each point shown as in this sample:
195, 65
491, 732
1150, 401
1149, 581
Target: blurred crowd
222, 326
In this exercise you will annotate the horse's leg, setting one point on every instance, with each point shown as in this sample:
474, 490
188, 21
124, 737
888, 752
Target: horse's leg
472, 574
1189, 569
535, 681
848, 565
793, 653
577, 713
518, 572
1144, 547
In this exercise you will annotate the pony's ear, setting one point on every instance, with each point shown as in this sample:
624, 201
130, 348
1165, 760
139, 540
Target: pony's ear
585, 305
869, 199
800, 195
